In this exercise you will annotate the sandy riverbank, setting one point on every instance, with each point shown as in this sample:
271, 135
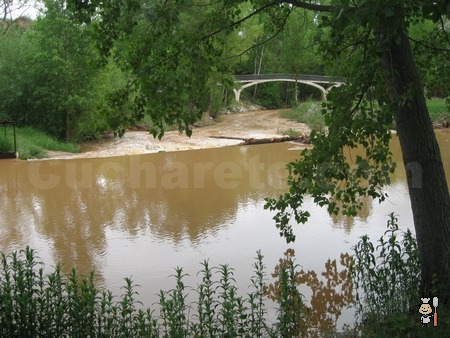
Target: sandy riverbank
255, 124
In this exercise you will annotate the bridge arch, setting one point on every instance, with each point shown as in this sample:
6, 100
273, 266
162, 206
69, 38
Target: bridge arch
311, 80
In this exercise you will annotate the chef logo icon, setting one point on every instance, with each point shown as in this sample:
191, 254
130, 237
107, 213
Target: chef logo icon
427, 312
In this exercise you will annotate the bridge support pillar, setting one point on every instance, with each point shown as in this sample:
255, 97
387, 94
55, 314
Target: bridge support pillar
237, 94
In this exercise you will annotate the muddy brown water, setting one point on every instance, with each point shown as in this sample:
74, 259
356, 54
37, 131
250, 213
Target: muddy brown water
143, 215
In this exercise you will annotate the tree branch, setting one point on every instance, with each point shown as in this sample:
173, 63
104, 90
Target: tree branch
238, 22
300, 4
258, 44
428, 46
310, 6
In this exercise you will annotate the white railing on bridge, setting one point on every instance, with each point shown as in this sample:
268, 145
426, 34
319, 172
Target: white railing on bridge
311, 80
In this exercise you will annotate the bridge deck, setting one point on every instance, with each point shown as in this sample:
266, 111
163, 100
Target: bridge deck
317, 81
281, 77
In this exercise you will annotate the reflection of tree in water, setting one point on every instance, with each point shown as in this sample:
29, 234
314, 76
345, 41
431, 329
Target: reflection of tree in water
346, 222
97, 195
331, 293
399, 176
367, 202
60, 218
186, 194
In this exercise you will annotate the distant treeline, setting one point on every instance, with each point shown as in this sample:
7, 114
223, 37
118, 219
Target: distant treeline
65, 78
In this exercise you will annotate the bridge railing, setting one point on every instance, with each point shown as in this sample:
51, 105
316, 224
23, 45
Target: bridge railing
301, 77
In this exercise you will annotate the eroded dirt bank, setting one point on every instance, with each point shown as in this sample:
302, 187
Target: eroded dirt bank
255, 124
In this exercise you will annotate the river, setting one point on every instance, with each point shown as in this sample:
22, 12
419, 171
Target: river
144, 215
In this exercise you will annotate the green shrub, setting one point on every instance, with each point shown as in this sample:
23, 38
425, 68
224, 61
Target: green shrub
291, 132
32, 152
309, 112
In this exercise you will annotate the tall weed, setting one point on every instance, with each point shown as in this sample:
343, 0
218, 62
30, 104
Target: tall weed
386, 280
386, 276
34, 304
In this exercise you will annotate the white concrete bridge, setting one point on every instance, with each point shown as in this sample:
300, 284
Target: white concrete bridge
321, 82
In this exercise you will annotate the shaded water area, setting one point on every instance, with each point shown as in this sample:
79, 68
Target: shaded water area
143, 215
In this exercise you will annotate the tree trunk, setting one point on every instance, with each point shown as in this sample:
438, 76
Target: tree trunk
249, 141
296, 90
427, 184
258, 69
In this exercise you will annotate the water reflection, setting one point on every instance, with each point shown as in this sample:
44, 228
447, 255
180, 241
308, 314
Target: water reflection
330, 292
398, 178
175, 196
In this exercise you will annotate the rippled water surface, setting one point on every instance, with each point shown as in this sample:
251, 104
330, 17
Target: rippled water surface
141, 216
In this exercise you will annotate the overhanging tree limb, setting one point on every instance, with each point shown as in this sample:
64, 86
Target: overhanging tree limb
311, 6
428, 46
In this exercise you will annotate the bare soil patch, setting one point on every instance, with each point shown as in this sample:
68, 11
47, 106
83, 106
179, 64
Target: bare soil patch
254, 124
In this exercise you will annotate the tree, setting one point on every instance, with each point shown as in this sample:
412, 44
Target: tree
378, 30
51, 79
383, 85
16, 54
65, 63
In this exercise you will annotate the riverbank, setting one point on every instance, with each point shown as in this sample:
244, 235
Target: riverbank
33, 144
309, 112
253, 124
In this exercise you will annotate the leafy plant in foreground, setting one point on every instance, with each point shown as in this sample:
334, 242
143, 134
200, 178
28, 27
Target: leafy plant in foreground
291, 314
173, 308
34, 304
331, 292
257, 298
386, 277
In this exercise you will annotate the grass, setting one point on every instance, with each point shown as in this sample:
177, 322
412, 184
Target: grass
438, 109
309, 112
32, 143
291, 132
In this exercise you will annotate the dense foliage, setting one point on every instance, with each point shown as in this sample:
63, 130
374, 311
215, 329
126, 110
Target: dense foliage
75, 80
36, 304
169, 61
51, 76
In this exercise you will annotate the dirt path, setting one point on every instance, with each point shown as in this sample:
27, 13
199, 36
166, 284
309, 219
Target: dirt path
255, 124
